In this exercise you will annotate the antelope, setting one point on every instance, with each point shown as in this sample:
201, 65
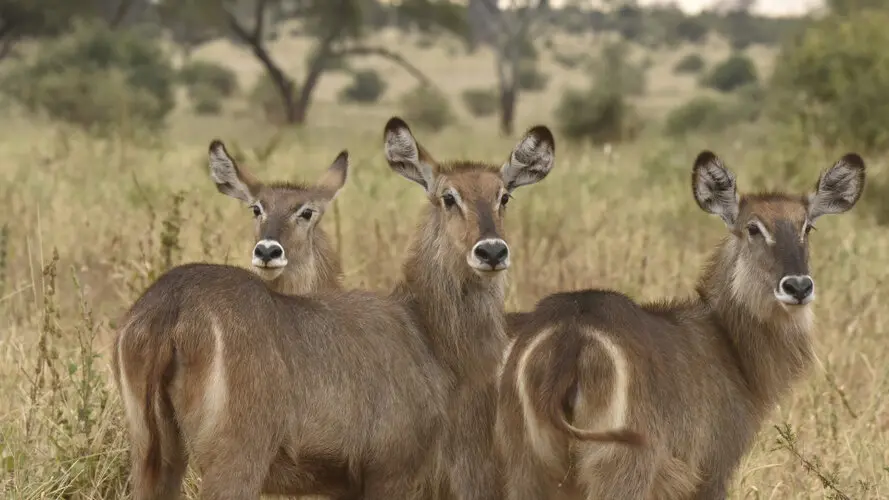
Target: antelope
290, 253
345, 393
695, 378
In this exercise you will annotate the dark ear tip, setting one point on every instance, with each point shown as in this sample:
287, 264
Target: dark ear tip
216, 145
344, 154
543, 134
704, 157
853, 160
395, 123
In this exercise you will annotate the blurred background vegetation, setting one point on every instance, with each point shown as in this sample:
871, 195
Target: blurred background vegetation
108, 107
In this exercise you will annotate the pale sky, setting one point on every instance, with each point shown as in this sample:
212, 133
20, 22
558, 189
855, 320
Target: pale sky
767, 7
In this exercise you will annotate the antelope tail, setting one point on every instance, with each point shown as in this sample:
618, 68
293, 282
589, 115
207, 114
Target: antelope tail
549, 376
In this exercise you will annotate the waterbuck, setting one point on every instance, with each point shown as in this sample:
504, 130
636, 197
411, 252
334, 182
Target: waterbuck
694, 377
349, 394
291, 253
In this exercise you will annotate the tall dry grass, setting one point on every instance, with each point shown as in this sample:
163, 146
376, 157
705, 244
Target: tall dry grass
87, 224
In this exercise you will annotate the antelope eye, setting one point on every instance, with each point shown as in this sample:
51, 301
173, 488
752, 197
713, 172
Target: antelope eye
448, 200
504, 199
753, 230
307, 213
809, 229
256, 210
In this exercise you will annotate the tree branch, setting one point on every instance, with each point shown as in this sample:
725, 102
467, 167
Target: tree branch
8, 39
363, 50
259, 19
255, 41
120, 13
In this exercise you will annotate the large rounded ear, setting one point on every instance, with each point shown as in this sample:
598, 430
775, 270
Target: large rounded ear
406, 156
334, 178
531, 160
714, 187
231, 179
838, 188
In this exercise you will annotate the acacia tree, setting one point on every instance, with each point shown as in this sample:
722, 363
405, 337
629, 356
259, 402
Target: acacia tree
38, 18
507, 33
337, 27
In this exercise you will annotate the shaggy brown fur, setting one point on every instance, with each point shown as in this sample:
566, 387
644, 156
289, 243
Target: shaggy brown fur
345, 393
695, 377
287, 215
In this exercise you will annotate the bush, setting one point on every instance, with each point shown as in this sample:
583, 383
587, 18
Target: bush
568, 61
700, 113
832, 80
691, 63
427, 107
209, 74
613, 69
531, 79
366, 88
480, 102
599, 114
735, 72
692, 29
206, 99
97, 78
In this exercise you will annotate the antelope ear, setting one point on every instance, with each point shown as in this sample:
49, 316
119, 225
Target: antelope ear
334, 178
531, 160
405, 156
838, 188
231, 179
714, 187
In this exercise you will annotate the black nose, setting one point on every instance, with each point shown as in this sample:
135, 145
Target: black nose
492, 252
267, 252
798, 287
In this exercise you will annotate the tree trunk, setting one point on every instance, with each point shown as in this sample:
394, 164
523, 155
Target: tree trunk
316, 68
507, 107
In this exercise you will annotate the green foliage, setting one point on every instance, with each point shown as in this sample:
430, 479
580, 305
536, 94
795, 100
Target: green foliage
615, 69
366, 88
692, 29
729, 75
602, 112
480, 102
427, 107
96, 78
598, 114
702, 113
568, 61
206, 99
832, 80
690, 63
531, 79
209, 74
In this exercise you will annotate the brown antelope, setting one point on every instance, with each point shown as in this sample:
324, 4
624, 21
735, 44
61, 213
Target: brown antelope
349, 394
695, 377
291, 253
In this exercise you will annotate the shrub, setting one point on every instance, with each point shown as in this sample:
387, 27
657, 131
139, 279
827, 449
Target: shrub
97, 78
735, 72
832, 81
366, 88
206, 99
480, 102
531, 79
692, 29
427, 107
599, 114
700, 113
691, 63
209, 74
614, 69
568, 61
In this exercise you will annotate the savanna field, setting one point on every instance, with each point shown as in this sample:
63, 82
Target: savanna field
87, 222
